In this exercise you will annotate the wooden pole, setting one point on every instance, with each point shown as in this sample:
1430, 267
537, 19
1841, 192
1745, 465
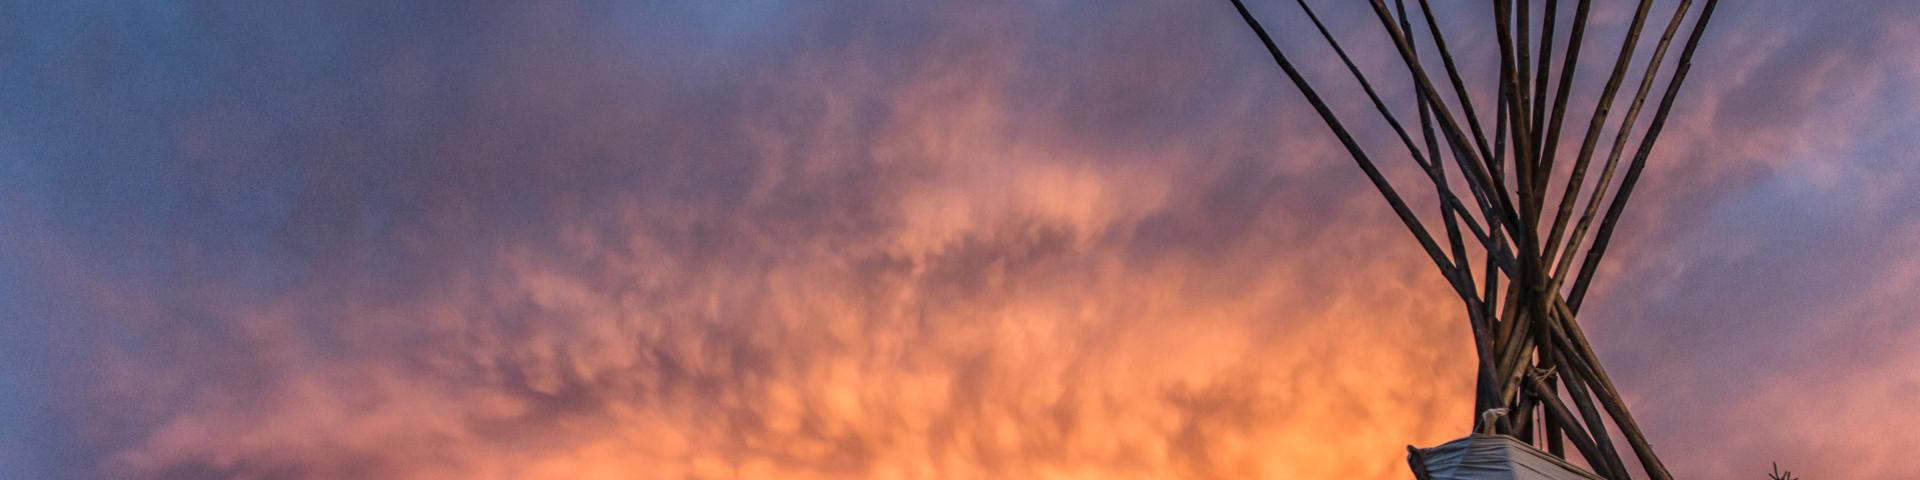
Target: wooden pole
1380, 182
1598, 121
1514, 83
1596, 376
1552, 441
1476, 166
1461, 276
1596, 426
1575, 34
1540, 93
1619, 144
1453, 76
1602, 238
1449, 201
1558, 413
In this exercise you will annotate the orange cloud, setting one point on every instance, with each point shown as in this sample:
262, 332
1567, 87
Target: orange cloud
911, 242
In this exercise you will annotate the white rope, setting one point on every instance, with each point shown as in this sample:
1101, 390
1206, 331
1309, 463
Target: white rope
1488, 417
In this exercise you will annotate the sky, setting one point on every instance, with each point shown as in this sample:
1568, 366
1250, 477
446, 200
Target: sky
883, 240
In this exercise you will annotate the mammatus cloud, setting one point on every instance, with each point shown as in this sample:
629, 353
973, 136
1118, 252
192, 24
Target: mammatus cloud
765, 241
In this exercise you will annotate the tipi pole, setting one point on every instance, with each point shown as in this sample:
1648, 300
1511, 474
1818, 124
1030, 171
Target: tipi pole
1558, 413
1619, 144
1527, 325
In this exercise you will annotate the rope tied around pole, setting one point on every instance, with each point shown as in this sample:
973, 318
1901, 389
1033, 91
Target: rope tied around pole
1488, 417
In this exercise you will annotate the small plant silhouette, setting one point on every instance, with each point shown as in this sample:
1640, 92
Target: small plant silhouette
1780, 475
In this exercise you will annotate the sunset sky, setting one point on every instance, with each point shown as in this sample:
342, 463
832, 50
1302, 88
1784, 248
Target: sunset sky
763, 239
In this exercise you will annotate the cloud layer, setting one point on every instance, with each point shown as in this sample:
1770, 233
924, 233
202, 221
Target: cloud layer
762, 240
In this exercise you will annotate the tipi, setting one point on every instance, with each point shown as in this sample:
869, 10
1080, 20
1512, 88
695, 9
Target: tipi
1540, 385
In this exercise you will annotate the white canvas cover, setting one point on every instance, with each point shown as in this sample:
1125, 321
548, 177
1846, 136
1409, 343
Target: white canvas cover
1497, 457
